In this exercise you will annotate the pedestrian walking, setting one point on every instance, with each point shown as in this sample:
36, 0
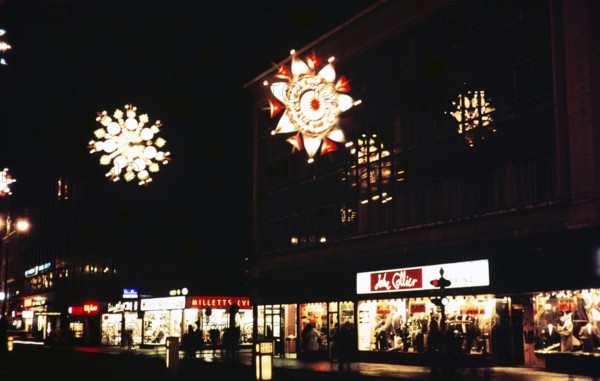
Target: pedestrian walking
345, 340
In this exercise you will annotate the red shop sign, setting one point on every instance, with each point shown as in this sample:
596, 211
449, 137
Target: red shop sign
397, 280
218, 302
91, 308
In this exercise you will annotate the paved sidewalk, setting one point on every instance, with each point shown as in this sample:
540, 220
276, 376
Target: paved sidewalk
291, 368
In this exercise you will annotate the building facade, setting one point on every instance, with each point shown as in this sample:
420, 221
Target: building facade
473, 149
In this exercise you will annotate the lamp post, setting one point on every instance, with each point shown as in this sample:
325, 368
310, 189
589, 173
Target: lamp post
21, 226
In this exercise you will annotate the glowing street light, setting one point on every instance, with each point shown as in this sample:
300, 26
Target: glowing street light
22, 225
129, 145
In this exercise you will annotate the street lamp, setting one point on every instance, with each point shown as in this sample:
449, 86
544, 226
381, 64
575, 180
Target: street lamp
21, 225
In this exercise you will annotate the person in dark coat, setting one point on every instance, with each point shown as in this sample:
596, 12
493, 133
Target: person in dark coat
346, 342
187, 342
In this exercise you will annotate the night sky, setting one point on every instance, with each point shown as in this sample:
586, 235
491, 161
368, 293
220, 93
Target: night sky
182, 62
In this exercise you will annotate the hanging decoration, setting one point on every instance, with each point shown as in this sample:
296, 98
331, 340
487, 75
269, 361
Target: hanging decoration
311, 100
473, 114
129, 145
4, 46
6, 180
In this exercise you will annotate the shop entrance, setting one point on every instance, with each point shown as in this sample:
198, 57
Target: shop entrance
279, 323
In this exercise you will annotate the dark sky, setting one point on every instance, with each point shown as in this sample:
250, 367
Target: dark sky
181, 61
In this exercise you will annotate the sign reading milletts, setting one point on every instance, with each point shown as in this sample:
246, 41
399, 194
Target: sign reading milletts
218, 302
461, 274
168, 303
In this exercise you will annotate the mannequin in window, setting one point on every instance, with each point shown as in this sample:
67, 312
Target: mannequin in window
550, 336
565, 330
590, 337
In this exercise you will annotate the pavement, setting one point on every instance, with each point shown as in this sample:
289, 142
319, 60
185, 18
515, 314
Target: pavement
115, 363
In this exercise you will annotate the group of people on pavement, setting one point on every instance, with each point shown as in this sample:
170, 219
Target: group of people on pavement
192, 341
343, 345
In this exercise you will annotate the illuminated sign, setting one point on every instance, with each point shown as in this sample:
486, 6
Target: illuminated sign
47, 313
461, 274
122, 307
266, 347
76, 310
130, 293
416, 308
92, 308
35, 270
38, 302
218, 301
168, 303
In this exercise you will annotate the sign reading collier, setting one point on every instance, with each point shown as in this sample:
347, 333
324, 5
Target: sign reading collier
461, 274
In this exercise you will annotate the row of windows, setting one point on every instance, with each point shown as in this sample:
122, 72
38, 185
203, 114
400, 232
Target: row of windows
471, 192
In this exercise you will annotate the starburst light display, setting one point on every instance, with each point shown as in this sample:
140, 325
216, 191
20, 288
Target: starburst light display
313, 100
4, 46
129, 145
6, 180
474, 116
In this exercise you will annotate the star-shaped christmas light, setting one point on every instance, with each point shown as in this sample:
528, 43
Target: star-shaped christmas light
4, 46
5, 180
129, 145
313, 100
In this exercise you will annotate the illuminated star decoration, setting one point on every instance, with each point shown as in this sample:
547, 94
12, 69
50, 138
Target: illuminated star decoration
129, 145
313, 101
474, 115
3, 47
5, 180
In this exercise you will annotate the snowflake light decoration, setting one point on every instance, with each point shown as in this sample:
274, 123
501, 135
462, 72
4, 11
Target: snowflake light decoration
3, 47
129, 145
313, 101
5, 180
474, 115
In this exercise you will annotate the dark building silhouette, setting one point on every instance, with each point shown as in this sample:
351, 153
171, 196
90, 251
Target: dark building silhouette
416, 190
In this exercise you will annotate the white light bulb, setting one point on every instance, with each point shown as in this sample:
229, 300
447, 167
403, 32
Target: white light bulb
131, 123
113, 128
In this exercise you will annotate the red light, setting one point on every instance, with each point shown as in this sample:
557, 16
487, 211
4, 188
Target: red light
434, 283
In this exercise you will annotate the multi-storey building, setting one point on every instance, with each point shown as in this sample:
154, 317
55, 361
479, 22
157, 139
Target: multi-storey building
474, 150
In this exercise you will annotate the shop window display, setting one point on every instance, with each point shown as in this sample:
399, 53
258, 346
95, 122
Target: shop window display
413, 325
567, 321
158, 325
217, 321
313, 319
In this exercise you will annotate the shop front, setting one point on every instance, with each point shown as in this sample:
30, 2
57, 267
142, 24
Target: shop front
162, 318
459, 320
213, 315
563, 329
35, 320
118, 318
84, 323
303, 330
